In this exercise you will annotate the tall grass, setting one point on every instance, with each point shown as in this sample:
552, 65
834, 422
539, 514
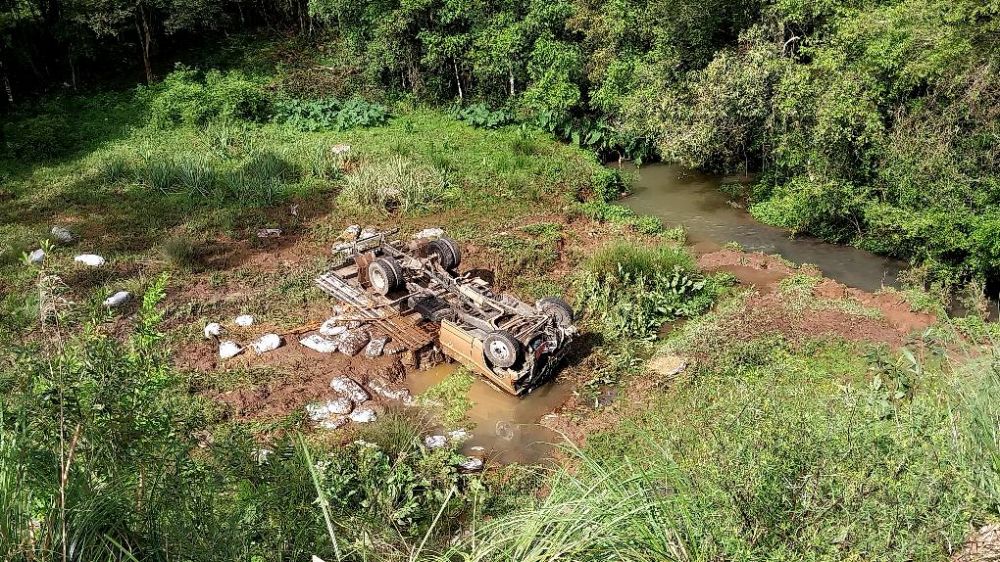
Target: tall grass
395, 183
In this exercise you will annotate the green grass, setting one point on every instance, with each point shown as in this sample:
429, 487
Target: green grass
797, 455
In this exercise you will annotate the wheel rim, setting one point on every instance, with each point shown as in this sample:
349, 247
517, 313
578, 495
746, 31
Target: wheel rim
378, 279
500, 351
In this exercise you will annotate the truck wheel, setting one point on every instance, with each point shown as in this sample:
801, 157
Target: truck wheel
557, 308
447, 252
385, 275
502, 349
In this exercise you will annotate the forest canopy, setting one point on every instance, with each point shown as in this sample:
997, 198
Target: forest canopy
869, 122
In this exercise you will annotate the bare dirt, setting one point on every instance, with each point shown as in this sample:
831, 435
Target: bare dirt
769, 310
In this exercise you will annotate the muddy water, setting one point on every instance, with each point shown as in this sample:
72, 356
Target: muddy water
682, 196
507, 427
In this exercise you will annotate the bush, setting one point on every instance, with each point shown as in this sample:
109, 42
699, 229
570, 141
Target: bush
631, 290
329, 114
41, 137
608, 185
188, 97
481, 116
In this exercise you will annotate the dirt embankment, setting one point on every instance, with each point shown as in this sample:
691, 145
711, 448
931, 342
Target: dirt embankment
838, 310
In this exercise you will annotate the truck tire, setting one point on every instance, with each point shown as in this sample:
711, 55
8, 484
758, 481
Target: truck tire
557, 308
447, 252
502, 349
385, 275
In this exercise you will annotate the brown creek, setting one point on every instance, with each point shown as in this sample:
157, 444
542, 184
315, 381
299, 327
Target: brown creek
679, 195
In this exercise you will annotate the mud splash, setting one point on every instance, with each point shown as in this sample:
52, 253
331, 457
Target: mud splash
508, 428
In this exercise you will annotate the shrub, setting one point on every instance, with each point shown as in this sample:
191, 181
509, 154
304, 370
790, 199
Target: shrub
608, 185
482, 117
41, 137
188, 97
330, 114
631, 290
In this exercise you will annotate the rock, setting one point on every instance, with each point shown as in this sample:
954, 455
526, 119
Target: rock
229, 349
267, 342
333, 327
117, 299
62, 234
375, 346
429, 233
435, 441
345, 385
668, 366
318, 343
353, 341
471, 464
337, 407
244, 320
363, 415
334, 423
213, 330
93, 260
269, 233
37, 256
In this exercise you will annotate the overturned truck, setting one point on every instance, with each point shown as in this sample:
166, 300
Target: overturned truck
411, 290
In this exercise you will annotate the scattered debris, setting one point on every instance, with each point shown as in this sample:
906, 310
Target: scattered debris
668, 366
318, 343
353, 341
333, 327
336, 407
267, 342
363, 415
213, 330
429, 233
334, 423
471, 464
376, 346
269, 233
478, 450
229, 349
263, 454
93, 260
379, 386
117, 299
294, 210
981, 546
458, 435
244, 320
37, 256
351, 233
62, 234
345, 385
435, 441
340, 149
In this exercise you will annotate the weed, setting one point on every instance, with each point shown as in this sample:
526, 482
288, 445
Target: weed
450, 398
397, 183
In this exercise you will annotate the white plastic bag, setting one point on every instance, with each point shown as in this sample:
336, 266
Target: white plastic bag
213, 330
318, 343
37, 256
267, 342
229, 349
244, 320
117, 299
346, 386
363, 415
93, 260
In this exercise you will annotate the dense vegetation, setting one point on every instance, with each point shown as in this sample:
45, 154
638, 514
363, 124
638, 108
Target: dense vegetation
873, 122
